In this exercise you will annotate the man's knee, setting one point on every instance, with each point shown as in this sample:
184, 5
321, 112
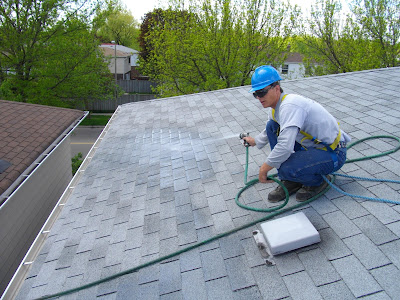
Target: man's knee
287, 172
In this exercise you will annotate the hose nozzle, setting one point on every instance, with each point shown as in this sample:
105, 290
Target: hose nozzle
242, 136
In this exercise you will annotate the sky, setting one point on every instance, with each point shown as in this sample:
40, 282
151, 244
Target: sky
139, 8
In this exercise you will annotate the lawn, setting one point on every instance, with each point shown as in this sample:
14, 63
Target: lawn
95, 120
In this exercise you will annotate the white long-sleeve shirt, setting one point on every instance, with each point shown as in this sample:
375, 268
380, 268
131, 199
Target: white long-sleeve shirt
297, 113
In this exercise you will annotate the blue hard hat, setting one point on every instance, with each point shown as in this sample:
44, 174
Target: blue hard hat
264, 76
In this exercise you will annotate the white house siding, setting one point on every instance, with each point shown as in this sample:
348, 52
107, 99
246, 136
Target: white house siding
25, 212
295, 71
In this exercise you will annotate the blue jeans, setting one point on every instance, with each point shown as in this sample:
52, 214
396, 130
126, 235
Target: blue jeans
305, 166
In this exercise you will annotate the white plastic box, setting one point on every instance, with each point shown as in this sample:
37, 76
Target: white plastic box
289, 233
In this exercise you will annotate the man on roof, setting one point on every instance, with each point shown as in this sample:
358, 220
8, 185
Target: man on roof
305, 139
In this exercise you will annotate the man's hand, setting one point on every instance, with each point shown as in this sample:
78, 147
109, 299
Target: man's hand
251, 141
262, 175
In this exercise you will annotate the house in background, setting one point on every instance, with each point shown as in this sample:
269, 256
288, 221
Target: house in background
119, 62
127, 61
293, 67
35, 169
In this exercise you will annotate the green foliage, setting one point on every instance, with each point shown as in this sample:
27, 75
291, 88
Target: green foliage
119, 26
322, 42
380, 20
76, 162
213, 44
333, 44
49, 54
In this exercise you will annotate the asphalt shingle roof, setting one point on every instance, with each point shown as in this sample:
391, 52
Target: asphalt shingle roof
165, 177
26, 130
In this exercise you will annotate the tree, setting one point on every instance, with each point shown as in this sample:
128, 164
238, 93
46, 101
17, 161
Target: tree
321, 41
369, 41
213, 44
49, 54
119, 26
381, 23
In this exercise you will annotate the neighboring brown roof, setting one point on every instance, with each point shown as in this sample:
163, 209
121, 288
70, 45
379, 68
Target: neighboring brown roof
111, 52
26, 130
294, 57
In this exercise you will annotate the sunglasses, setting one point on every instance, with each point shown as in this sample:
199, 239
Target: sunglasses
262, 93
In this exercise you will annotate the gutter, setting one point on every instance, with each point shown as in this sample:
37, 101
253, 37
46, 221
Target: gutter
19, 276
15, 186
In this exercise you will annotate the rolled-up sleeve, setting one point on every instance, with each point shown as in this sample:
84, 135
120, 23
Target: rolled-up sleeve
284, 148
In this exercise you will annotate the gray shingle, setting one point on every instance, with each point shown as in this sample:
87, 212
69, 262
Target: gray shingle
170, 278
374, 230
213, 264
359, 280
252, 253
127, 286
318, 267
100, 248
152, 206
189, 261
151, 223
151, 244
207, 233
288, 264
184, 214
149, 274
149, 291
387, 277
136, 218
391, 251
352, 209
168, 246
168, 228
248, 293
230, 246
384, 213
202, 218
119, 232
366, 251
186, 233
269, 282
332, 246
301, 286
239, 274
323, 205
341, 224
219, 289
134, 238
194, 291
395, 228
335, 290
131, 258
216, 204
182, 197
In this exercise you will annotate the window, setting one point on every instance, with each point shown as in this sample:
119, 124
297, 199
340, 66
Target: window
285, 69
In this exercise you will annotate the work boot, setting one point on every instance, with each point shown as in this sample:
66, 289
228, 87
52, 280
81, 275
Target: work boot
278, 194
307, 192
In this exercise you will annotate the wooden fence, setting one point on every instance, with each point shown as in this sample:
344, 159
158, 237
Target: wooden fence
111, 105
136, 86
142, 87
